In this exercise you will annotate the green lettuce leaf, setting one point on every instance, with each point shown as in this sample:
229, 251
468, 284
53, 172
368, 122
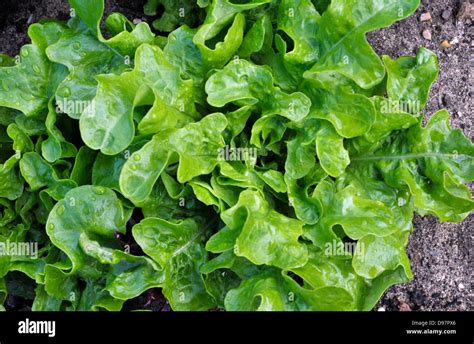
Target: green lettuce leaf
343, 47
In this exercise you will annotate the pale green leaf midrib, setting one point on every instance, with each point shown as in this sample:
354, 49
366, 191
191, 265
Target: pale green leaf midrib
412, 156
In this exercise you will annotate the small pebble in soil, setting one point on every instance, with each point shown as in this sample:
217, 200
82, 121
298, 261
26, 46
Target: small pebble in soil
454, 41
461, 286
381, 309
427, 34
440, 104
425, 16
137, 21
404, 307
445, 44
446, 14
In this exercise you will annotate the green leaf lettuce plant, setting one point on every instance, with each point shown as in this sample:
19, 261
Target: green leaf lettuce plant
252, 155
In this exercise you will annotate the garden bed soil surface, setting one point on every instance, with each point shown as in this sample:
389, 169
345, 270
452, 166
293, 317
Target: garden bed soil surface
440, 254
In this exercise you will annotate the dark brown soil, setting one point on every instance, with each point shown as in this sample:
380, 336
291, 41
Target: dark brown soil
440, 253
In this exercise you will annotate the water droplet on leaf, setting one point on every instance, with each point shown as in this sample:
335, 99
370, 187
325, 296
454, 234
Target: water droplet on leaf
60, 210
66, 92
99, 190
